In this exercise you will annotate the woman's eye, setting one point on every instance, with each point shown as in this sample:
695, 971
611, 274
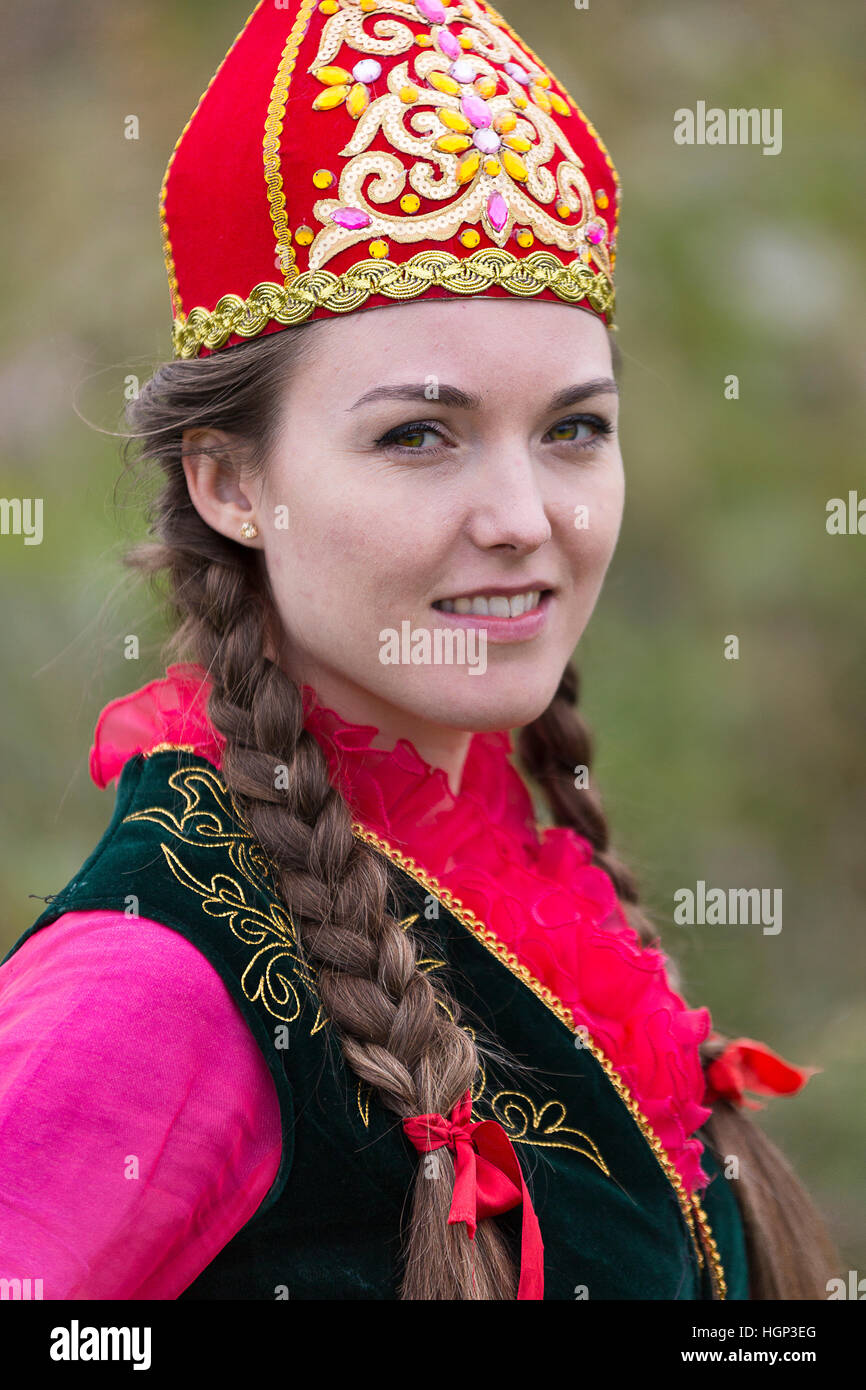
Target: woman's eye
410, 437
596, 427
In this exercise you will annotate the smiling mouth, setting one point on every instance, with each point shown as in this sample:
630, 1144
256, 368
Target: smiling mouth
494, 605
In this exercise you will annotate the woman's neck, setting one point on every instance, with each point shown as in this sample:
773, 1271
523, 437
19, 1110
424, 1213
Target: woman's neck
439, 745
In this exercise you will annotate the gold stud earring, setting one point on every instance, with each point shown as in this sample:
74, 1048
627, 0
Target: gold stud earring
249, 530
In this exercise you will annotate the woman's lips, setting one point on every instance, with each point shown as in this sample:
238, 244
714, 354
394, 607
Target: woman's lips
502, 630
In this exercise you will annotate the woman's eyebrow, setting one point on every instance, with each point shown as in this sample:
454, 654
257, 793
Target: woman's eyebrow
459, 399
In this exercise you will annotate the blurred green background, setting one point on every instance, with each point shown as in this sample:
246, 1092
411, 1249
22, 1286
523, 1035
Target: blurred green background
740, 773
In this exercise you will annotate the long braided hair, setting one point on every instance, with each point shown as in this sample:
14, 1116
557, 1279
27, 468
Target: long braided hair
397, 1033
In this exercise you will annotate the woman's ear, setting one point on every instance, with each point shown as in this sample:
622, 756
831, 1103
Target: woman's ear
217, 489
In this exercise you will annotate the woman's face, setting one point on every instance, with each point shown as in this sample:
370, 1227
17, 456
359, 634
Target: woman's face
442, 451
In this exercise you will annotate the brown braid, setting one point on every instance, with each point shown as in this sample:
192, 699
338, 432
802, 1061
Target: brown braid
789, 1253
396, 1032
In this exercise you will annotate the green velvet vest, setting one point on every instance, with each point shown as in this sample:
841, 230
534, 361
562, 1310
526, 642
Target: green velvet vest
615, 1219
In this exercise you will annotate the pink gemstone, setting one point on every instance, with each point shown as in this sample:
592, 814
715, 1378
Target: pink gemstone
463, 70
432, 10
351, 218
497, 211
476, 110
448, 44
594, 232
518, 73
487, 141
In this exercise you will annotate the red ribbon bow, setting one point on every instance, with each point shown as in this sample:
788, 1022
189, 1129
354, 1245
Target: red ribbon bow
487, 1180
746, 1065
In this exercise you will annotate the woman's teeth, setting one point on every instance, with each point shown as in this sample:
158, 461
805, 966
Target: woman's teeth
494, 606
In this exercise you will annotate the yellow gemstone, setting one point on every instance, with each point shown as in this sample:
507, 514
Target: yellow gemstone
502, 124
525, 237
485, 86
454, 120
563, 210
408, 93
514, 166
453, 144
470, 237
520, 100
328, 7
304, 235
331, 76
491, 167
358, 100
466, 40
558, 104
543, 80
540, 98
378, 249
423, 40
330, 97
468, 167
601, 199
517, 142
443, 83
410, 202
323, 178
369, 5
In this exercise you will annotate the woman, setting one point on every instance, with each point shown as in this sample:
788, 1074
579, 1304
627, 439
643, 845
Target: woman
324, 957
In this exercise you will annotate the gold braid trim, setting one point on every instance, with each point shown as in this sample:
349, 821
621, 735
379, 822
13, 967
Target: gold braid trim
712, 1249
689, 1206
271, 144
293, 303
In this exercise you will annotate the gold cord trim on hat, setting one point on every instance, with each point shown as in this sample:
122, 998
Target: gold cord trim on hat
168, 254
689, 1205
293, 303
271, 143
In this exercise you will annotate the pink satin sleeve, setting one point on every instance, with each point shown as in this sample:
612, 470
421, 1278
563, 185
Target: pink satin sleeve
139, 1123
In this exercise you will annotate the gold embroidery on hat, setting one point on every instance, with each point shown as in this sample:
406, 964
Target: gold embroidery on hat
438, 173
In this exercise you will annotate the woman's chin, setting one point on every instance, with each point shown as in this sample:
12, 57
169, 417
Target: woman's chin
483, 702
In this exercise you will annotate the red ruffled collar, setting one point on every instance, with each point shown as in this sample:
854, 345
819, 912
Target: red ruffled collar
535, 889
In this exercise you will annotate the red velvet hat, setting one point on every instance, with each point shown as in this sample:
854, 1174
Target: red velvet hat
348, 154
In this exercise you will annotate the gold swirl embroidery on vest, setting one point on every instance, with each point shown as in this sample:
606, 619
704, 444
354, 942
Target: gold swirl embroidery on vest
211, 819
420, 116
424, 963
544, 1127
